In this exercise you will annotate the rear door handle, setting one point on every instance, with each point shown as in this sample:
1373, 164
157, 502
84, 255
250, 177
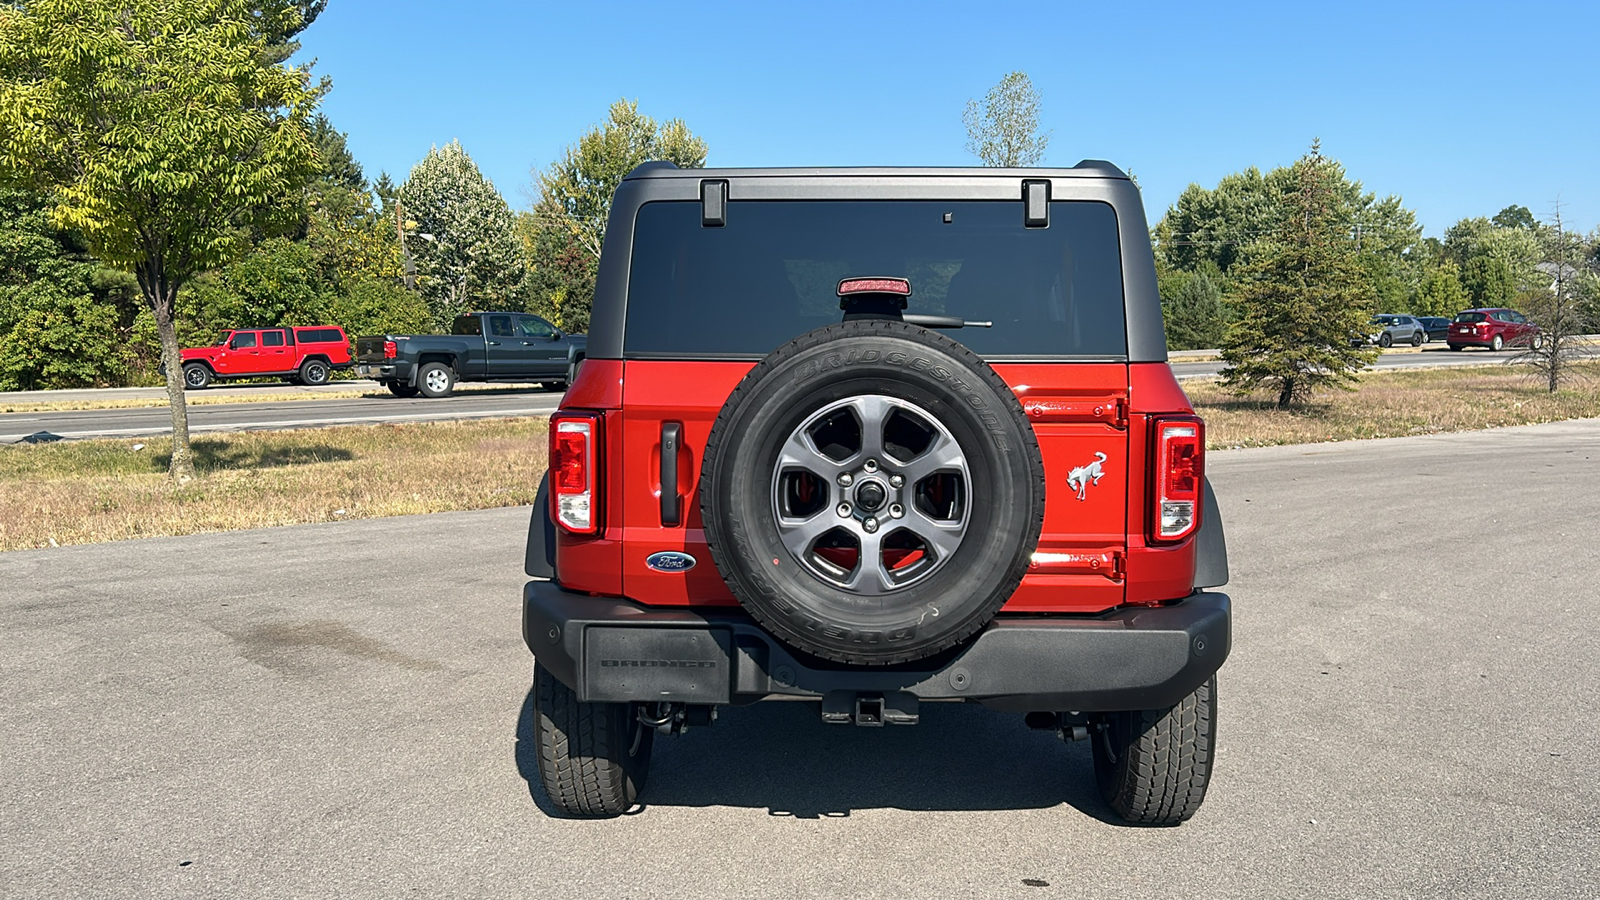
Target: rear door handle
671, 438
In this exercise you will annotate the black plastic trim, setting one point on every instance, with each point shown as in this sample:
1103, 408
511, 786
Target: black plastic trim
540, 561
1211, 545
671, 503
1133, 658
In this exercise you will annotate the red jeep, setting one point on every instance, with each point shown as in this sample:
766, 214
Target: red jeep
302, 355
875, 438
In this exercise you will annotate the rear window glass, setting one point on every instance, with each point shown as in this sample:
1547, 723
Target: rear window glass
1468, 318
467, 325
272, 339
319, 336
772, 272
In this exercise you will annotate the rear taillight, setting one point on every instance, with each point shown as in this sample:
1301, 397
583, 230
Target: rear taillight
390, 351
1177, 461
573, 466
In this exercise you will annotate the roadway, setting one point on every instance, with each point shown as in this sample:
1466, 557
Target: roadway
341, 711
1429, 356
470, 403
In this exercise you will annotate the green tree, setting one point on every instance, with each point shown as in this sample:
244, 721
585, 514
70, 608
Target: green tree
1489, 282
1515, 217
564, 231
1003, 130
1302, 296
466, 249
1441, 293
1497, 263
1223, 226
163, 130
1216, 226
1193, 310
64, 320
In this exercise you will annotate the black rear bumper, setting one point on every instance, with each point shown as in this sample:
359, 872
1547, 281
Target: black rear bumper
610, 650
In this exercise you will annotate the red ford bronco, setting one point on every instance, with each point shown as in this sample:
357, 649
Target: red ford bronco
874, 438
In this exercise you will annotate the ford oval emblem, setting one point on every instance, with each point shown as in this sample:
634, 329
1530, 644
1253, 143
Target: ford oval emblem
670, 561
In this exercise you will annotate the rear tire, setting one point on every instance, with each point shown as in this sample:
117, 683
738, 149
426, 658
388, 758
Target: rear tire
400, 389
593, 757
1498, 344
196, 377
1153, 766
1456, 347
436, 379
1417, 338
314, 372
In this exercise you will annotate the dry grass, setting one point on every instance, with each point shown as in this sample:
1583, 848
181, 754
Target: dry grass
77, 492
1396, 404
191, 400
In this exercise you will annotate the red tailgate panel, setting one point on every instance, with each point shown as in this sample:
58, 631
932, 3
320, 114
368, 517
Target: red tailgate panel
1079, 411
690, 394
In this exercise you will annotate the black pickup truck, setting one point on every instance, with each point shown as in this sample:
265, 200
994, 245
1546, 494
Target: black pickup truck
481, 346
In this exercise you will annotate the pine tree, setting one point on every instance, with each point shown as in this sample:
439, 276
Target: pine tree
1302, 296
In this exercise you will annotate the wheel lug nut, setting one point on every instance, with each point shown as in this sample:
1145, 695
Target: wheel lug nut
870, 525
896, 511
845, 478
844, 510
870, 465
896, 480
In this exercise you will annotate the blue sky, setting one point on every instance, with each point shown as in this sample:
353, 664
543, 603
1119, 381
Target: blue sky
1460, 108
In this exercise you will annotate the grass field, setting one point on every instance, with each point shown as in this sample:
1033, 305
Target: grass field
1396, 404
75, 492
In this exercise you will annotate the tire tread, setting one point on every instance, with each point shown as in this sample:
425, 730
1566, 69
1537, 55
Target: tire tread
1165, 767
583, 752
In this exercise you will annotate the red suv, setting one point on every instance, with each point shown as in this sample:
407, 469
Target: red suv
871, 439
302, 355
1493, 328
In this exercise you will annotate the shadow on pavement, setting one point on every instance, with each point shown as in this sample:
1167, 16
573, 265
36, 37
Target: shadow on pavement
780, 757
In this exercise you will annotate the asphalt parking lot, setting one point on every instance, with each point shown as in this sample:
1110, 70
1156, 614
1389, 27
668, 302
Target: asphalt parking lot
339, 711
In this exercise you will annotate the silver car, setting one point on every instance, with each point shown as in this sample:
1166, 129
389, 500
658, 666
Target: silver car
1388, 330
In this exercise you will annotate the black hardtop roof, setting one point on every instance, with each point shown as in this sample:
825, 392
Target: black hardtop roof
1089, 168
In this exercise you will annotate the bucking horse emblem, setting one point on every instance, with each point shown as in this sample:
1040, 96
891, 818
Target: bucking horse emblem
1080, 478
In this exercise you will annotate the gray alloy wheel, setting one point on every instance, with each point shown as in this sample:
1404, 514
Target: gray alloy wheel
871, 496
436, 379
196, 377
1538, 342
1497, 344
314, 372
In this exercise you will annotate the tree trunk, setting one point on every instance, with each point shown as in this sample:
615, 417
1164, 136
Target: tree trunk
160, 294
1286, 393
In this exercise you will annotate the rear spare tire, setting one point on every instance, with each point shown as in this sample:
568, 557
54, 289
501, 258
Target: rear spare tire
872, 492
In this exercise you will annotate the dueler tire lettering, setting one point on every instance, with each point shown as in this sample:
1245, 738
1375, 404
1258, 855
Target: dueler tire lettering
1006, 501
